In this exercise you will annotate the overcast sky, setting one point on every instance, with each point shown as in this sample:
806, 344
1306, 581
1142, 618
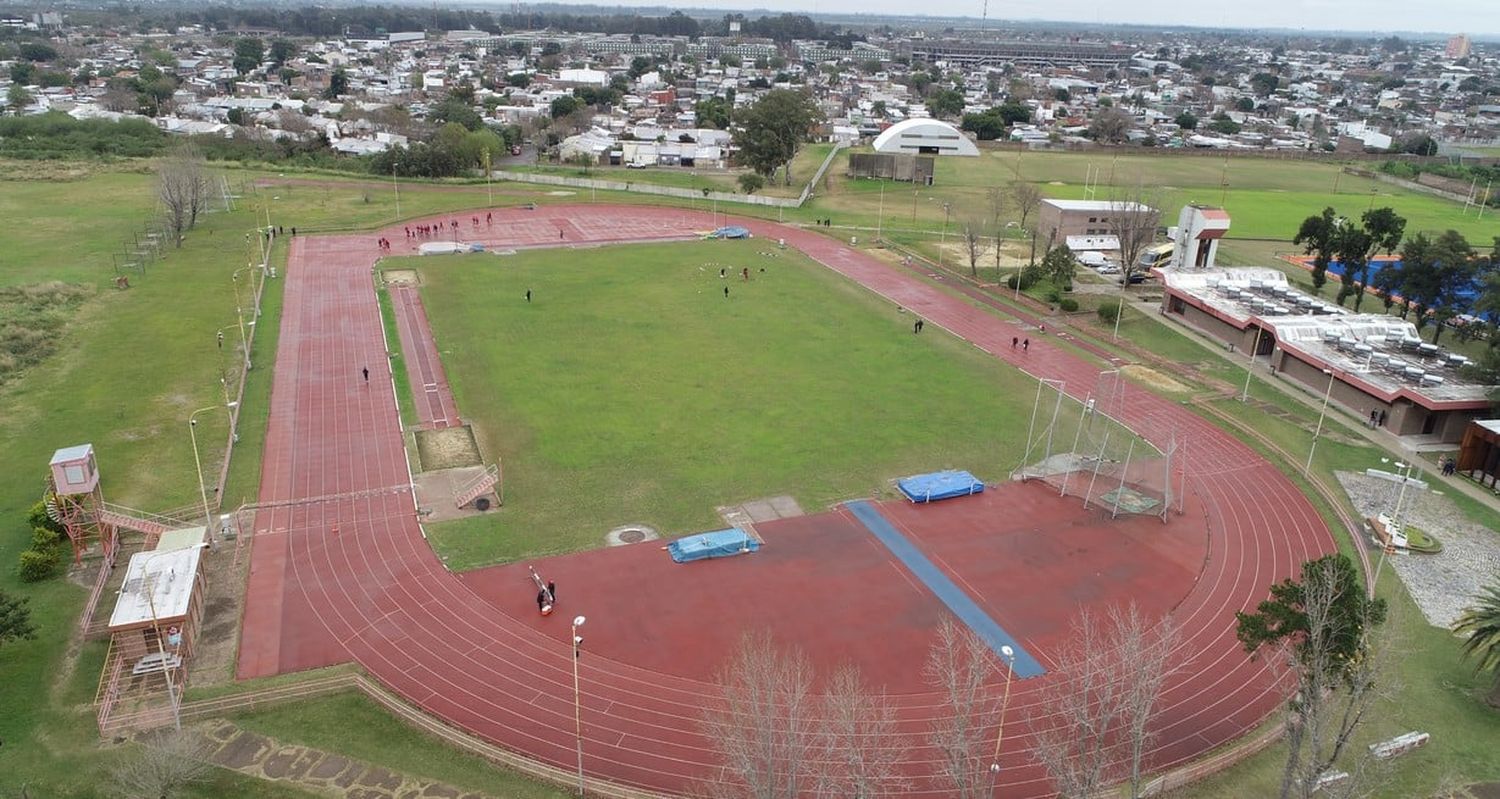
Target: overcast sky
1436, 16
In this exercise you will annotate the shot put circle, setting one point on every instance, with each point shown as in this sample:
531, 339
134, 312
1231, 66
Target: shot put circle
630, 534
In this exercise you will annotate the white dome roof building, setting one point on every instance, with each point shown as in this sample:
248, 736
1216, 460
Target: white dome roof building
924, 136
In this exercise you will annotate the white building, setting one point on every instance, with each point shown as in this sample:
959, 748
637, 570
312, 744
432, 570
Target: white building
924, 136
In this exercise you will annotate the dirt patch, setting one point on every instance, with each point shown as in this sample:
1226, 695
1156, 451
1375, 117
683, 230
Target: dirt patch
218, 639
1154, 379
401, 277
447, 448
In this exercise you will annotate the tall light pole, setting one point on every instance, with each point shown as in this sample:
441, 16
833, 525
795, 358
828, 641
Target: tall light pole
1403, 470
577, 704
943, 242
1009, 656
208, 521
1250, 370
1307, 469
396, 186
880, 214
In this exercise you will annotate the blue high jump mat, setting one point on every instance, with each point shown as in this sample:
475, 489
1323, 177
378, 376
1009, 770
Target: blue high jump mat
945, 589
934, 486
717, 544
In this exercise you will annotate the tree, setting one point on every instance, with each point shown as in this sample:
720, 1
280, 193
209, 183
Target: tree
859, 750
773, 128
1133, 218
248, 53
37, 51
565, 105
18, 98
1059, 266
1324, 626
338, 84
164, 765
999, 202
182, 188
946, 103
1026, 198
1318, 237
1110, 126
959, 666
1264, 83
986, 126
760, 727
236, 116
15, 619
714, 112
973, 229
282, 50
1382, 230
1186, 120
1479, 624
455, 110
751, 182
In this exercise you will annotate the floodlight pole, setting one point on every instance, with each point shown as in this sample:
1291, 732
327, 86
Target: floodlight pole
577, 704
1307, 469
198, 462
1008, 655
880, 214
1250, 370
943, 241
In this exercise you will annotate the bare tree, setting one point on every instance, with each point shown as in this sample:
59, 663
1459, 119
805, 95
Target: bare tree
859, 750
1133, 219
761, 727
164, 765
1108, 682
182, 187
960, 667
1077, 737
1026, 198
999, 202
1144, 662
973, 237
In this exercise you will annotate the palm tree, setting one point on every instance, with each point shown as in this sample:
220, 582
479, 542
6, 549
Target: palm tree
1481, 623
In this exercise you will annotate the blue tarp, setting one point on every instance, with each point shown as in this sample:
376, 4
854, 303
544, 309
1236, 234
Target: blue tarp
939, 485
731, 232
717, 544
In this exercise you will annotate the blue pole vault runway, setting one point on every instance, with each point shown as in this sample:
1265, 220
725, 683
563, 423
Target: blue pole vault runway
945, 589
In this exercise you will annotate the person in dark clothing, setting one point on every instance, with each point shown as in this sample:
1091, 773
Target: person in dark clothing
366, 372
551, 591
528, 295
1014, 340
726, 292
1381, 419
1026, 345
917, 327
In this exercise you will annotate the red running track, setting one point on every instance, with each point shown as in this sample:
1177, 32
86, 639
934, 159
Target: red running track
348, 575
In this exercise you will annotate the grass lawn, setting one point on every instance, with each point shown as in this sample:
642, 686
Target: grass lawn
1267, 197
352, 725
129, 368
632, 390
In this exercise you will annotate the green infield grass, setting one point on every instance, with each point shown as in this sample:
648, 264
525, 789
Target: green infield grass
631, 390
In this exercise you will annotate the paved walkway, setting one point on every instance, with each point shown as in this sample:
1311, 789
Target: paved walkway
345, 573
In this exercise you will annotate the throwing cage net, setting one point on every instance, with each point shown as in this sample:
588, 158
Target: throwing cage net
1080, 447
